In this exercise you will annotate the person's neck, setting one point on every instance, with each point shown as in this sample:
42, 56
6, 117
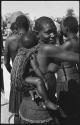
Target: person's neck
71, 35
21, 31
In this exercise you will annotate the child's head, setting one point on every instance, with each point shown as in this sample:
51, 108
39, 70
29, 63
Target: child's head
45, 29
69, 25
28, 40
22, 22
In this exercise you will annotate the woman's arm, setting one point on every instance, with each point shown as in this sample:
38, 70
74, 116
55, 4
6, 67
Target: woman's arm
61, 54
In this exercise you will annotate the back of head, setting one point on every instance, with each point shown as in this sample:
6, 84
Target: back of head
71, 23
22, 22
44, 20
28, 40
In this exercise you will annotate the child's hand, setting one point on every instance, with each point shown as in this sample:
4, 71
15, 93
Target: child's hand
32, 94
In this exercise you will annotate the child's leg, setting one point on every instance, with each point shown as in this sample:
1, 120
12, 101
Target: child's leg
39, 84
41, 90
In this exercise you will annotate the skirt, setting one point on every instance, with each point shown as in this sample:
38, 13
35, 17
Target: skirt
31, 112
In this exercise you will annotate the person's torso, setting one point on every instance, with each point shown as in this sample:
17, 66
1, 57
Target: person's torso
69, 70
45, 63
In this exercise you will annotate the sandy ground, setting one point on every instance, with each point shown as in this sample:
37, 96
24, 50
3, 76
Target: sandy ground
5, 114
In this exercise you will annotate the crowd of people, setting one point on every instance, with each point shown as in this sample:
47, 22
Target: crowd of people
44, 86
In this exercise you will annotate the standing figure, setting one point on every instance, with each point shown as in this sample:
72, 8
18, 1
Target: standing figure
45, 31
68, 70
19, 27
11, 48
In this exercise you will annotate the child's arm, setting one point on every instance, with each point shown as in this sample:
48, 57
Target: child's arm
61, 54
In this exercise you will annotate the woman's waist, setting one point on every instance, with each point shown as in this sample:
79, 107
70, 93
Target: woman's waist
67, 70
69, 73
30, 110
33, 105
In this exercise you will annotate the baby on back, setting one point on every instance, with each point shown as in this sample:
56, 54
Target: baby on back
28, 40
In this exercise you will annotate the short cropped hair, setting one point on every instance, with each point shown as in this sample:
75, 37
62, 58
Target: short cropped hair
42, 20
22, 22
71, 23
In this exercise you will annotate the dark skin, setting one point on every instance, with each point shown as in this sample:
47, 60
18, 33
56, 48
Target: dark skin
11, 48
45, 59
71, 44
40, 81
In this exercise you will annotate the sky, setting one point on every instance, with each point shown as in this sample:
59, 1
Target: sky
40, 8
